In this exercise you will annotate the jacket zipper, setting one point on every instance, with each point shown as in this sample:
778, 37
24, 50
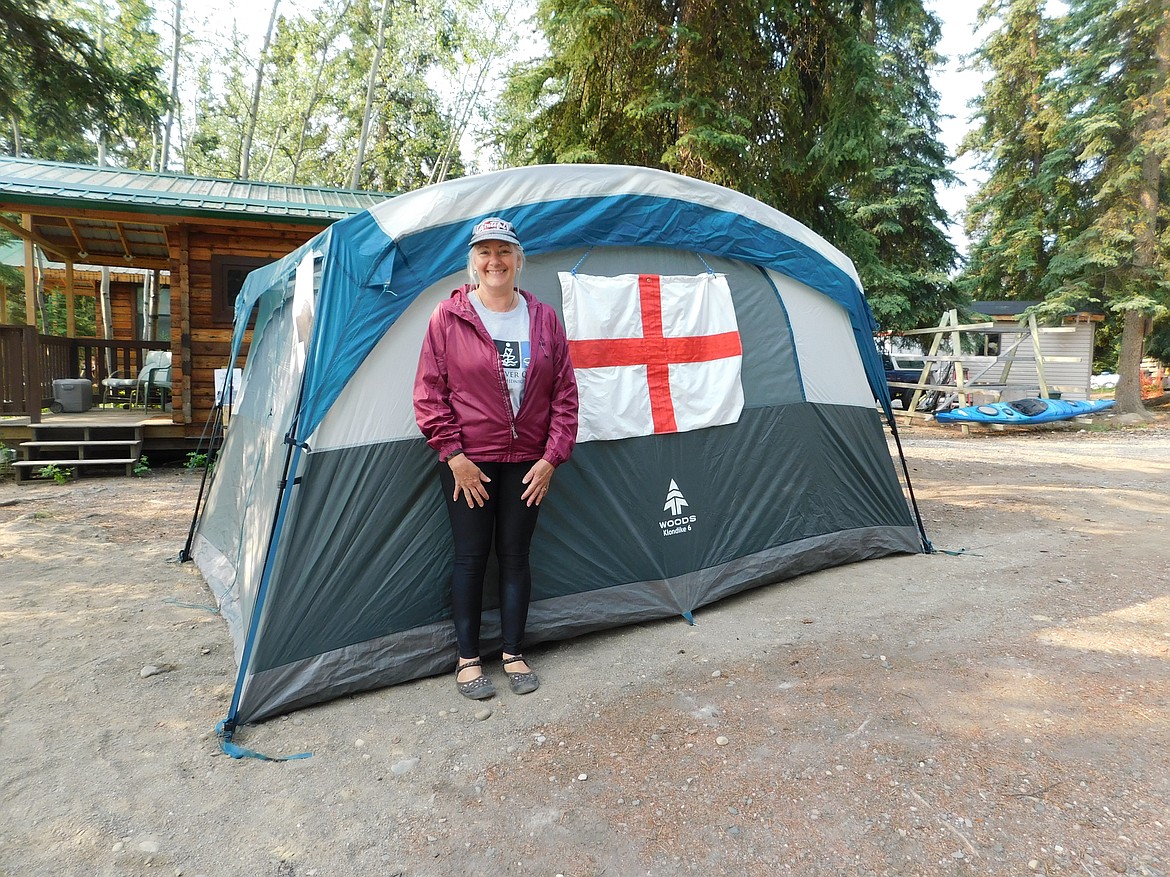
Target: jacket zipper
507, 395
500, 376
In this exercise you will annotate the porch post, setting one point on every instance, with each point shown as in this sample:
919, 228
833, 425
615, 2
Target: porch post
70, 311
184, 320
31, 345
30, 279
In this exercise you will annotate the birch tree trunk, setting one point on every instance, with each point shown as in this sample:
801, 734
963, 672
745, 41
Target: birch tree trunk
354, 181
469, 97
314, 97
164, 154
254, 111
104, 287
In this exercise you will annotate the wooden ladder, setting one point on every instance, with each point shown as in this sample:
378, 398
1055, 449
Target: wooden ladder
97, 448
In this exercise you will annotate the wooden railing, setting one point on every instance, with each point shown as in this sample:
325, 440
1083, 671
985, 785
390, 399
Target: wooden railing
30, 362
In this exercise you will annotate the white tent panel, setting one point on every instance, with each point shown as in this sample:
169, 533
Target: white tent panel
830, 366
377, 405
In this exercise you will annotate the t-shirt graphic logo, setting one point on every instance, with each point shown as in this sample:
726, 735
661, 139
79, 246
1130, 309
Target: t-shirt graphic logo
514, 359
509, 353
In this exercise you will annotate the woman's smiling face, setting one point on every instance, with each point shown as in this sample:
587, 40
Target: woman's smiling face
495, 264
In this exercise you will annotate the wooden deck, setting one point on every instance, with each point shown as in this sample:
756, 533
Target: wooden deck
161, 435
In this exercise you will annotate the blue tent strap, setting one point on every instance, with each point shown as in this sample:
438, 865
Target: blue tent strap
579, 261
710, 270
224, 733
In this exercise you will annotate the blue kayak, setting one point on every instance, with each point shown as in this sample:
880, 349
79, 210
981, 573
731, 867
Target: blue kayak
1023, 411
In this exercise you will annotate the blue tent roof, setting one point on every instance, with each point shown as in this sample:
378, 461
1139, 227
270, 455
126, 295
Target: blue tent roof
371, 275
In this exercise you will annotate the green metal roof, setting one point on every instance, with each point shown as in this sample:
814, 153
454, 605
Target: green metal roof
26, 182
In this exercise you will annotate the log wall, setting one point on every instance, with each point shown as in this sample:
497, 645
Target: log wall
200, 341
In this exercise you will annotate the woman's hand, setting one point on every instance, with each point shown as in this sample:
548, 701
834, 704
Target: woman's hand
469, 481
537, 479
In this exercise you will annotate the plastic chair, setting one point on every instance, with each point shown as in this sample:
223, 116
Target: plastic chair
158, 378
155, 374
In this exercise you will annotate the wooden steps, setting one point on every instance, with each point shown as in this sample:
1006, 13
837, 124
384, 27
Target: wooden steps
88, 449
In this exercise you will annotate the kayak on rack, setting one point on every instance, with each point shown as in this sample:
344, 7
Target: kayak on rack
1023, 411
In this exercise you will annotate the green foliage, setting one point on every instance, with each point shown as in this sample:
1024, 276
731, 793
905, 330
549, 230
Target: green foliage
313, 99
12, 281
1074, 131
825, 112
1115, 84
57, 473
195, 460
1019, 219
60, 90
142, 467
84, 315
1158, 342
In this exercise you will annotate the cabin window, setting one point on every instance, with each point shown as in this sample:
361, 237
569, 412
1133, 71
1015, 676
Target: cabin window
991, 345
227, 279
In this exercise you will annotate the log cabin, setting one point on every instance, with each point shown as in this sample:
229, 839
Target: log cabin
202, 235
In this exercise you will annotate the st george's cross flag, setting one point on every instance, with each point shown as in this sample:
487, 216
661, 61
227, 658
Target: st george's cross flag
652, 354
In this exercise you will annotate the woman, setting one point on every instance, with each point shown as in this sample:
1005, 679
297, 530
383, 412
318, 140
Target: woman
501, 421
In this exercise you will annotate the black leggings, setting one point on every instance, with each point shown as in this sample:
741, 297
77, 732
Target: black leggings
512, 522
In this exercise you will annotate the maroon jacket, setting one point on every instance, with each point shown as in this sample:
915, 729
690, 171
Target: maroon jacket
461, 399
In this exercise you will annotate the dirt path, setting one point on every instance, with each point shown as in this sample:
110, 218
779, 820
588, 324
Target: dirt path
1000, 710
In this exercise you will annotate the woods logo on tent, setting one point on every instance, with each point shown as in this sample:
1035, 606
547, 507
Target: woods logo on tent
675, 503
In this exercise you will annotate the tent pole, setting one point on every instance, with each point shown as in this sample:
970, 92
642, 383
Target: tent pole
927, 546
291, 460
226, 729
213, 422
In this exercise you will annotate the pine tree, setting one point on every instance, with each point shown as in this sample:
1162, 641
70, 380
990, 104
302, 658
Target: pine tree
58, 89
823, 110
1021, 216
1118, 85
894, 203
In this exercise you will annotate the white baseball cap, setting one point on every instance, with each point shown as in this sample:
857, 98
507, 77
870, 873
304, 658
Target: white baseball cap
494, 229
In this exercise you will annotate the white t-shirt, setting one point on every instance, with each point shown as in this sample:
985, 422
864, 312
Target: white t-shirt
509, 329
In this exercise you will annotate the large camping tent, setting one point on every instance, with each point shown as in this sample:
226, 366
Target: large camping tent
324, 537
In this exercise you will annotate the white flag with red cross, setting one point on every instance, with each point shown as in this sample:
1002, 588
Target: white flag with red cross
652, 354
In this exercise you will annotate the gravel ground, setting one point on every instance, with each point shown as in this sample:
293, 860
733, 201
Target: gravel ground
999, 707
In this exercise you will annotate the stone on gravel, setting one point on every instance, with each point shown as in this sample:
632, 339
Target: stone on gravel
405, 766
483, 715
